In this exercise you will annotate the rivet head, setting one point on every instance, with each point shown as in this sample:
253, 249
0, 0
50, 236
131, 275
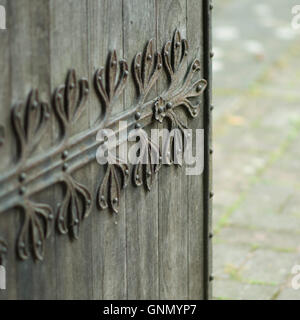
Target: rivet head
211, 194
127, 172
86, 90
212, 54
138, 116
88, 202
177, 44
72, 86
35, 104
65, 154
166, 53
76, 221
169, 105
102, 198
138, 126
149, 173
161, 109
211, 277
59, 96
126, 72
138, 65
47, 115
22, 177
115, 200
22, 190
199, 88
39, 243
50, 217
99, 78
159, 66
149, 57
211, 108
137, 177
22, 245
114, 63
62, 218
65, 167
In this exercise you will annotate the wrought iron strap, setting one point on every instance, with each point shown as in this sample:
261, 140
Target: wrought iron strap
31, 174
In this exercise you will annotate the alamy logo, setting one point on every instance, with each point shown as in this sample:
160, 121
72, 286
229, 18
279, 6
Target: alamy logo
296, 17
296, 278
2, 18
2, 278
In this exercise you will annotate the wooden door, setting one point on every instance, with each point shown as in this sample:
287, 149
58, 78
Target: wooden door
69, 229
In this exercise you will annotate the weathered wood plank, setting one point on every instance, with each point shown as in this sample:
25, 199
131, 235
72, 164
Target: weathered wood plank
195, 183
173, 217
109, 244
69, 50
8, 221
29, 52
141, 206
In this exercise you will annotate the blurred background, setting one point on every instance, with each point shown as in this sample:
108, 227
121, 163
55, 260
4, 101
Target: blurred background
256, 80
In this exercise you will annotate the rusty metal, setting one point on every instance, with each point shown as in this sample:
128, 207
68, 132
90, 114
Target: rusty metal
31, 174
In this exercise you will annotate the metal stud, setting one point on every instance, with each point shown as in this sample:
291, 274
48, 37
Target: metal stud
65, 154
169, 105
161, 109
149, 57
212, 54
115, 200
22, 190
22, 177
65, 167
138, 126
159, 66
35, 105
199, 88
138, 116
211, 278
177, 44
211, 194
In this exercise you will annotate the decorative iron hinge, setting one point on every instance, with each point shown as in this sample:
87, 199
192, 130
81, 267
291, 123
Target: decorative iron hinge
31, 174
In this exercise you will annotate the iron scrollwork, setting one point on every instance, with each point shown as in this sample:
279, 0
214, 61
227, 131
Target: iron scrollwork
31, 174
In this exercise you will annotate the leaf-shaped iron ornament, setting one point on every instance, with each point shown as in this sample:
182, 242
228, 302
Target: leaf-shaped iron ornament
29, 121
148, 164
70, 99
110, 190
35, 229
111, 85
34, 173
146, 69
75, 207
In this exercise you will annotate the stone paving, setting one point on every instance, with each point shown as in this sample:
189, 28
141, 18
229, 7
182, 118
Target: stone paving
256, 150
